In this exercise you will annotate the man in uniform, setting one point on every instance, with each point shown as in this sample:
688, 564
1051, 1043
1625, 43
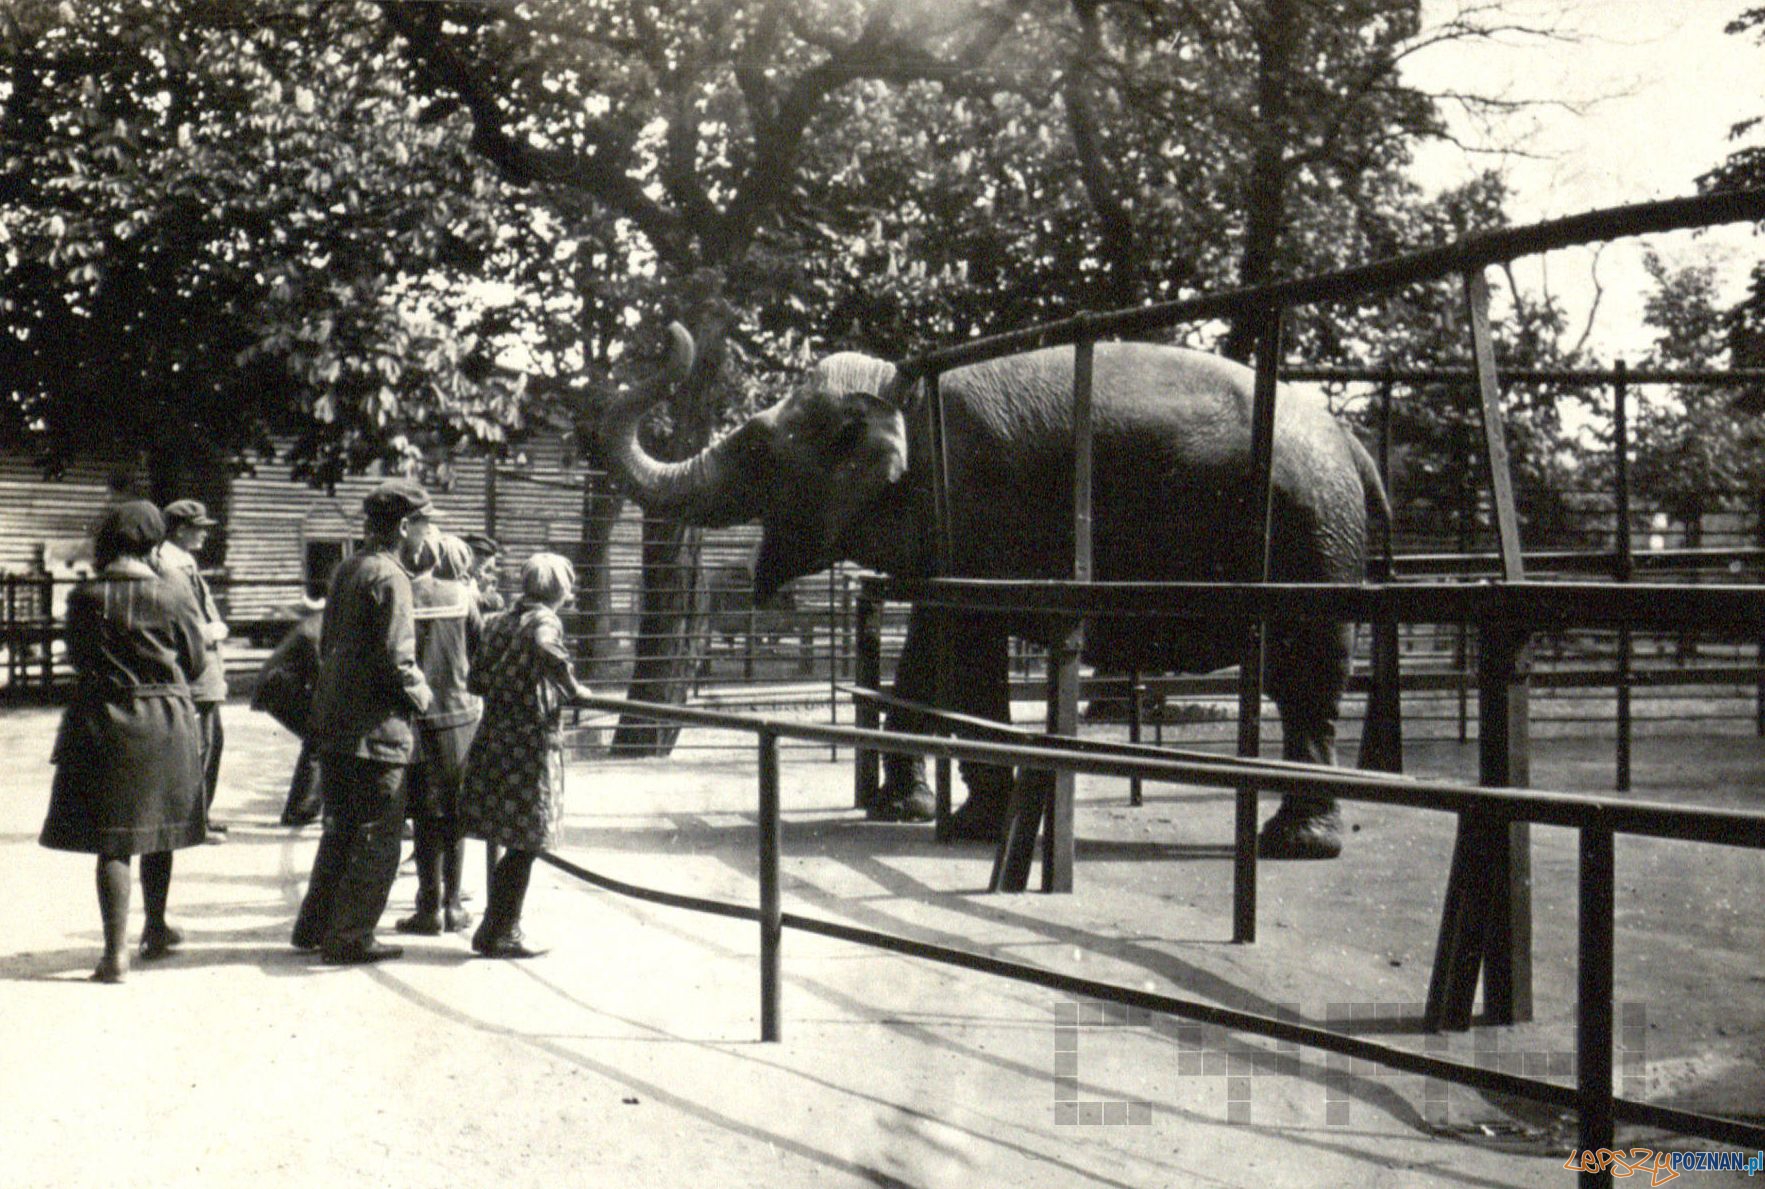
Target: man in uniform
186, 531
369, 689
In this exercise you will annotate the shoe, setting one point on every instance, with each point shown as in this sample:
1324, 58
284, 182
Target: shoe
510, 947
296, 821
458, 920
914, 804
218, 828
157, 943
360, 954
422, 924
215, 837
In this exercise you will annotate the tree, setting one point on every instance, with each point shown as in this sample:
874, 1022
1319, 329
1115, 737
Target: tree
1693, 449
218, 225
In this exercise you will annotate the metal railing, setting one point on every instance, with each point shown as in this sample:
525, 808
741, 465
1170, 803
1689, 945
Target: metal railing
1597, 819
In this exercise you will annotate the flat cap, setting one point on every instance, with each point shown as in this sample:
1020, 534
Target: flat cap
396, 499
483, 544
181, 512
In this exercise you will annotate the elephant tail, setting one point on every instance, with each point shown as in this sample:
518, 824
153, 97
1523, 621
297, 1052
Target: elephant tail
1378, 508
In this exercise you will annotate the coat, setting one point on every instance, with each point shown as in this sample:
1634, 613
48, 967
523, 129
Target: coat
175, 564
369, 687
513, 793
128, 758
285, 683
448, 625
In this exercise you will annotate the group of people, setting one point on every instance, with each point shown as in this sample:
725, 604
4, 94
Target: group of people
426, 699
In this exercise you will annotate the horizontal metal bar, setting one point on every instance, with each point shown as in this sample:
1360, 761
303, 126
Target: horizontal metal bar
720, 908
1717, 1127
1239, 1021
1276, 1029
1525, 375
1466, 255
1727, 827
1538, 605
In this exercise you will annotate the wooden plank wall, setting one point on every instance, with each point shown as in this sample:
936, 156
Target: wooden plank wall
35, 510
274, 515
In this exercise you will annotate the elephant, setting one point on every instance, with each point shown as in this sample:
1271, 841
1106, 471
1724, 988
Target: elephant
836, 470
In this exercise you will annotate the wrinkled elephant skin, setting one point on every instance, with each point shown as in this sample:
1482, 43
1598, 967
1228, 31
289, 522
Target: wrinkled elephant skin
836, 471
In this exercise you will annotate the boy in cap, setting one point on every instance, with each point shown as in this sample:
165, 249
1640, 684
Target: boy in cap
485, 555
186, 531
368, 691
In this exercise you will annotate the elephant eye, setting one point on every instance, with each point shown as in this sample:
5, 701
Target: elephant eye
850, 437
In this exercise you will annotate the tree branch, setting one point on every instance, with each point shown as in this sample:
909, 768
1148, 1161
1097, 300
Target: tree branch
518, 159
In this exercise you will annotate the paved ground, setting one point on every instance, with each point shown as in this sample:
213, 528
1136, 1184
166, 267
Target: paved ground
629, 1054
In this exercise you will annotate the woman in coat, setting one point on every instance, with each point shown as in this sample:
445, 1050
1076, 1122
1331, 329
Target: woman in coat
514, 786
128, 757
448, 627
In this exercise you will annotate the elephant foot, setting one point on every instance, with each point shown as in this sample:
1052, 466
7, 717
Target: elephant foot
982, 818
1301, 835
903, 803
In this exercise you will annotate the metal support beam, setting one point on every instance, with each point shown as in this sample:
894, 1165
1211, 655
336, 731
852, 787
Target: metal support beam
1250, 671
771, 906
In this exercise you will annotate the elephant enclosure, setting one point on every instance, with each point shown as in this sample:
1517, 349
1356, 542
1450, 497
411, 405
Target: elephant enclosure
636, 1031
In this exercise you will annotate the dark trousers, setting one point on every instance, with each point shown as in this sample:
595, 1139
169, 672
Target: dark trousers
208, 726
358, 852
304, 798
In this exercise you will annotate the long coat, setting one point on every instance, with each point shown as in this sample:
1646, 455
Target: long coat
449, 626
369, 686
514, 788
128, 760
285, 682
175, 564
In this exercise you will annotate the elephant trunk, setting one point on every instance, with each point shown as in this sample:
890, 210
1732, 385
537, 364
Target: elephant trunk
706, 489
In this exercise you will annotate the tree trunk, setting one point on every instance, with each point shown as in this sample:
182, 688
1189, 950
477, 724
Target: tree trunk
602, 503
670, 635
1277, 36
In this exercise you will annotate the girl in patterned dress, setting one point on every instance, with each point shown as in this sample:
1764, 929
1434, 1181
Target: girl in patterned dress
514, 785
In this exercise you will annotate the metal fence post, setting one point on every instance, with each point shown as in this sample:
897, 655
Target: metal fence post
1625, 564
1593, 1026
771, 913
1262, 464
867, 674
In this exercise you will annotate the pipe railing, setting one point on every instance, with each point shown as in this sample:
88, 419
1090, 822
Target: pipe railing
1597, 818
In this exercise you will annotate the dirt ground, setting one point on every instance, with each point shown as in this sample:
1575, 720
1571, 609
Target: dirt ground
629, 1054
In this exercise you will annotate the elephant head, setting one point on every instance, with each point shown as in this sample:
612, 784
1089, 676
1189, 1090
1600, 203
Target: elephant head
812, 468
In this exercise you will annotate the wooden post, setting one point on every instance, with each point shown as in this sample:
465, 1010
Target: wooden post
1044, 800
1486, 923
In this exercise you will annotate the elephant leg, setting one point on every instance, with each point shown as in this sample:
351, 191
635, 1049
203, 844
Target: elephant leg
1306, 675
905, 795
983, 690
978, 687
